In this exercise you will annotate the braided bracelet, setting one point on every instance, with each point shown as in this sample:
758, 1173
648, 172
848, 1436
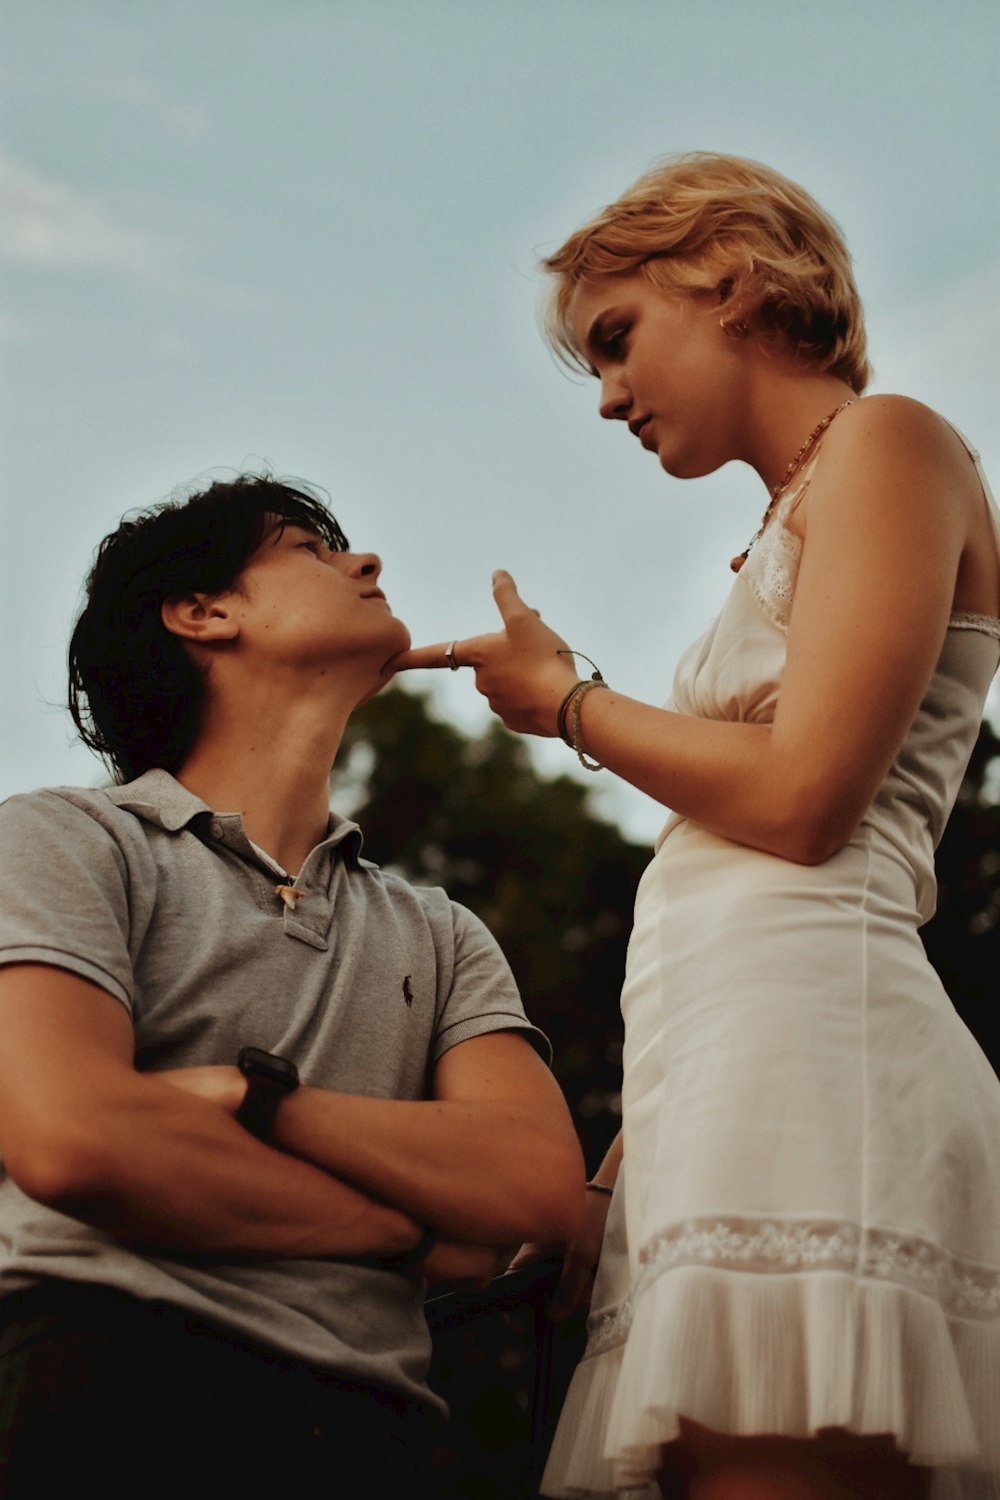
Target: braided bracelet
561, 715
581, 692
571, 705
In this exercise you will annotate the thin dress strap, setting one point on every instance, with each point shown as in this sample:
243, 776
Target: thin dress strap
961, 620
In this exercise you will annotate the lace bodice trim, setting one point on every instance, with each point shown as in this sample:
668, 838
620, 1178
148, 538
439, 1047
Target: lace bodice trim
771, 570
986, 623
790, 1248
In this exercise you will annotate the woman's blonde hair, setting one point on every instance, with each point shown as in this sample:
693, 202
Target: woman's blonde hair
733, 230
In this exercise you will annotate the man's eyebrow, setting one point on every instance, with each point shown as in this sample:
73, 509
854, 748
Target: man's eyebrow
278, 525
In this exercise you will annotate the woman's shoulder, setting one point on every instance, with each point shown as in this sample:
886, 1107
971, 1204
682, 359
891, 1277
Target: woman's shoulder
889, 437
893, 470
887, 418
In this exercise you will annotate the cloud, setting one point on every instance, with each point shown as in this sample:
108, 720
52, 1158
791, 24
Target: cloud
185, 121
50, 224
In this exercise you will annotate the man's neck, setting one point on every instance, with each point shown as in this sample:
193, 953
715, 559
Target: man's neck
272, 769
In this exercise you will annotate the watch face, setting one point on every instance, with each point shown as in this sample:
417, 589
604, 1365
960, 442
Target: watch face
253, 1061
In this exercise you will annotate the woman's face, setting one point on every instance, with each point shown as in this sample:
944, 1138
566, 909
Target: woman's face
666, 368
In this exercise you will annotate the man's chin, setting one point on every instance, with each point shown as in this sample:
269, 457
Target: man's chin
385, 676
387, 670
403, 642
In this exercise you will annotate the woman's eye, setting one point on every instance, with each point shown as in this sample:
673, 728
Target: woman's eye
615, 342
311, 546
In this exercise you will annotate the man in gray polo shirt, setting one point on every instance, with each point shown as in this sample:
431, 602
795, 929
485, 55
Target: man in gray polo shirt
252, 1088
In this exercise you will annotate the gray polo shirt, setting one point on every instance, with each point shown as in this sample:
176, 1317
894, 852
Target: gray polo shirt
365, 981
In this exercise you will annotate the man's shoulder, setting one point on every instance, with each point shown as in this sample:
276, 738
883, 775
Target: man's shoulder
459, 935
154, 799
69, 809
66, 805
61, 825
431, 901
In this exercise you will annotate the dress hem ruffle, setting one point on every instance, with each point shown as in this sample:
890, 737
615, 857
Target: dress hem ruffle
744, 1353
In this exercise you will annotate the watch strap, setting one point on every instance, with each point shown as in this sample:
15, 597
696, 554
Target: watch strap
269, 1080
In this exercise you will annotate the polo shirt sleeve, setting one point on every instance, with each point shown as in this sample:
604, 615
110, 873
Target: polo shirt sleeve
64, 891
482, 996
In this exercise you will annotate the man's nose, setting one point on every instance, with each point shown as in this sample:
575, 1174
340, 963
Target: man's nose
366, 565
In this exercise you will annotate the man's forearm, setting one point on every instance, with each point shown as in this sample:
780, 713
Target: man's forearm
493, 1159
434, 1160
479, 1171
83, 1132
175, 1173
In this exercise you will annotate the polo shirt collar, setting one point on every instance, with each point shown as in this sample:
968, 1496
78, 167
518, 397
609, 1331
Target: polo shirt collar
158, 798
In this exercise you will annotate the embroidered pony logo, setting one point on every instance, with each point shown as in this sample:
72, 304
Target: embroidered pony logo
407, 991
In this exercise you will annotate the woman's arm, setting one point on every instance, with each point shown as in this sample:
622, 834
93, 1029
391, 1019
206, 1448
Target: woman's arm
888, 518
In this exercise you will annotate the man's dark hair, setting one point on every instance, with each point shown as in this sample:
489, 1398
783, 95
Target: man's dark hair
134, 692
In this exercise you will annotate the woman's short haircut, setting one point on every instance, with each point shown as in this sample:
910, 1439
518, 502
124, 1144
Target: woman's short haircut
135, 693
737, 233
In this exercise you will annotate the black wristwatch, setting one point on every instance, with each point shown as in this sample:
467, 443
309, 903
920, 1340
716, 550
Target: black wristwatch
269, 1080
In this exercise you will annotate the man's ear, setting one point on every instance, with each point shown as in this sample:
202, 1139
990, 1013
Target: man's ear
201, 619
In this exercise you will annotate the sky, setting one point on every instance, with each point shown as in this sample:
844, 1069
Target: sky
306, 235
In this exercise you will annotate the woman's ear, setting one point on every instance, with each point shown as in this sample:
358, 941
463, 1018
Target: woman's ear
200, 618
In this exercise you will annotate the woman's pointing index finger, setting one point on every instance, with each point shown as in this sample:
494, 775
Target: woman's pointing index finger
453, 654
428, 656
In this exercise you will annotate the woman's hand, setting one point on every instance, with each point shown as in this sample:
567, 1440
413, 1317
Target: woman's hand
580, 1257
576, 1284
583, 1251
525, 670
225, 1086
462, 1266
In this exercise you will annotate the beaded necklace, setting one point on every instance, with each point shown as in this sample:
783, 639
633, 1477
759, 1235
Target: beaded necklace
779, 489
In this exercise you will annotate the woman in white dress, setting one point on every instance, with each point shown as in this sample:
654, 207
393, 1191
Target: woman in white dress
798, 1295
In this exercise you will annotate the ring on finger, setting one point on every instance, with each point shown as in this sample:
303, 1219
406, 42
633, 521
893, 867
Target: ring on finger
449, 655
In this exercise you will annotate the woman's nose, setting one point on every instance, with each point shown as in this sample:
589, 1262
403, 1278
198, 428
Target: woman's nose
615, 398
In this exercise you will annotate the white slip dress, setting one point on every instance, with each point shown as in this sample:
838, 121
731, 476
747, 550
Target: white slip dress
806, 1232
